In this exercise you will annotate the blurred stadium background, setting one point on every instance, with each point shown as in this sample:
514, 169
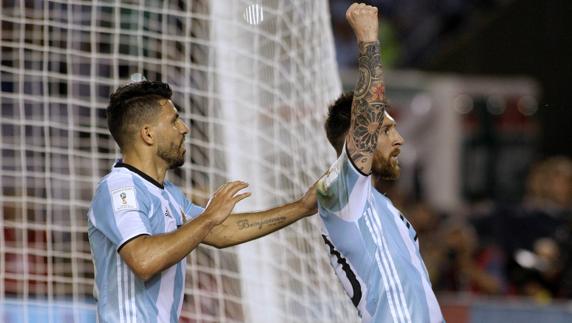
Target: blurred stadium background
478, 87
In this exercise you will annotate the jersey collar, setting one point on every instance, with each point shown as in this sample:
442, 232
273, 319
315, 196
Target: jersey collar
150, 179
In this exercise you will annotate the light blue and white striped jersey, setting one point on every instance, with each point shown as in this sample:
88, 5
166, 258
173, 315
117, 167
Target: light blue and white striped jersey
128, 204
374, 249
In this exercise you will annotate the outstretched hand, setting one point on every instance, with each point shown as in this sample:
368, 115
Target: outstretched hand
310, 201
224, 199
364, 21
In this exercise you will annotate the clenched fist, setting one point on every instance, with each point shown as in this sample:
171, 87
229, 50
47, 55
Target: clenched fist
364, 22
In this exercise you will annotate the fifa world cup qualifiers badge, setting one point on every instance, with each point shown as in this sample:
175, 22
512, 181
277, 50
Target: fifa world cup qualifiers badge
124, 199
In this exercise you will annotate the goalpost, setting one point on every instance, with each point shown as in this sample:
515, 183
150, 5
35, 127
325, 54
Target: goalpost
254, 79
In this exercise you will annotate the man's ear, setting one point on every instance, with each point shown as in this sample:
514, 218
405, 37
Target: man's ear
147, 134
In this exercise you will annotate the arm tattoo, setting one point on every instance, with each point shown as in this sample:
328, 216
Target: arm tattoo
245, 224
368, 107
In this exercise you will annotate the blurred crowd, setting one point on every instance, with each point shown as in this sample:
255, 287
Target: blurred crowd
493, 248
413, 30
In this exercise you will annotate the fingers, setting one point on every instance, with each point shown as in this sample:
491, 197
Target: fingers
231, 186
241, 197
360, 9
225, 198
351, 9
364, 21
235, 187
230, 189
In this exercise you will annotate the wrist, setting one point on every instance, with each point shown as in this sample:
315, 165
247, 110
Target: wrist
304, 210
367, 43
368, 39
208, 219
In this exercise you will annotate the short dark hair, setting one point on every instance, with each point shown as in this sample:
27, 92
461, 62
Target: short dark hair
133, 104
339, 120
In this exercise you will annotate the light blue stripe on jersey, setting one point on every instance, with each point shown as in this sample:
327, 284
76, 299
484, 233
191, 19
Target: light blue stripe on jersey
378, 245
126, 205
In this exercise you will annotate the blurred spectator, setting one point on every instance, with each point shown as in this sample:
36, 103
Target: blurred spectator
523, 249
449, 250
550, 186
421, 27
535, 236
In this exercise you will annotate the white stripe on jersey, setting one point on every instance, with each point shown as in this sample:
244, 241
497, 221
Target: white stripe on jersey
131, 292
174, 202
392, 299
392, 266
166, 290
356, 201
125, 288
433, 306
126, 292
119, 288
183, 264
167, 286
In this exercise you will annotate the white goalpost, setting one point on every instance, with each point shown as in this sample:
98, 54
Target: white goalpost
254, 79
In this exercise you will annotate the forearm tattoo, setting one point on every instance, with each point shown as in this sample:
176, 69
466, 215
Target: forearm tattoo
245, 224
368, 107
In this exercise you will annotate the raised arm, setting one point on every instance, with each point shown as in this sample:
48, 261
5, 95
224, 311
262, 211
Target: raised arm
368, 106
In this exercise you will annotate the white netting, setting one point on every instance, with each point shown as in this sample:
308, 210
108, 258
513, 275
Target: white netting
254, 78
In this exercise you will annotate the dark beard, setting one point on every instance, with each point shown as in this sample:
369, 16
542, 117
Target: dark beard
385, 170
172, 157
176, 163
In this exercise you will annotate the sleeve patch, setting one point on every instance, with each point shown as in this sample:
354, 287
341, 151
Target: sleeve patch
124, 199
331, 176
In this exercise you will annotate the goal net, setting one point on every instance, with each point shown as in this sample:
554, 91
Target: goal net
254, 79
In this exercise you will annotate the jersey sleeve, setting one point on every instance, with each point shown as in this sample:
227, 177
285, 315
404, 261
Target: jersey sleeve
192, 210
344, 190
120, 212
188, 209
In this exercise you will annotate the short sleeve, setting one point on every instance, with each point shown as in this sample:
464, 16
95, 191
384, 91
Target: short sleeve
344, 190
189, 209
194, 210
120, 213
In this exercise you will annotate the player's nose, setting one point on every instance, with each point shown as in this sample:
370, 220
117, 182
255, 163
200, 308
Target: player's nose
185, 129
398, 141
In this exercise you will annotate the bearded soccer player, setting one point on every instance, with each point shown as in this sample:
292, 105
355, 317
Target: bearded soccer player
141, 226
374, 249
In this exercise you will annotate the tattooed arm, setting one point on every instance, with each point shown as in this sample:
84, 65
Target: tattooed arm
368, 107
243, 227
